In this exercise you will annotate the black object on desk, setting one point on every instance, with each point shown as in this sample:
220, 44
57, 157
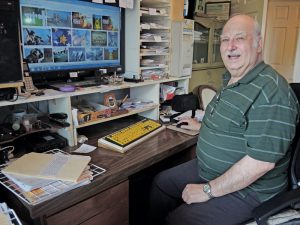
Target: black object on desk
133, 80
182, 124
44, 141
59, 118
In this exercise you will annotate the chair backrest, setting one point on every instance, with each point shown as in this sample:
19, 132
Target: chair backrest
205, 94
295, 153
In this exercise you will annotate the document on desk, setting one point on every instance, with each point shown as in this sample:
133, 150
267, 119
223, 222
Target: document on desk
199, 114
4, 219
8, 216
85, 148
185, 131
49, 166
29, 183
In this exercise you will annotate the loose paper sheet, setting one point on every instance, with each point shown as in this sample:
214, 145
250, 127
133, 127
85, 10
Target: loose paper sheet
84, 148
4, 220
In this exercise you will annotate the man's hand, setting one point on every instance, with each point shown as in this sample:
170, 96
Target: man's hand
193, 124
194, 193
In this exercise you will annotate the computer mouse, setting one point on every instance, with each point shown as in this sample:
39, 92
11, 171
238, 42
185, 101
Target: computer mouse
181, 124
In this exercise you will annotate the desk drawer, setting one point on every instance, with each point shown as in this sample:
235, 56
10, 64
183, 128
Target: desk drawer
107, 208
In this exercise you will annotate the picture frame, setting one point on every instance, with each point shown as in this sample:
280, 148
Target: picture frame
220, 10
110, 101
199, 6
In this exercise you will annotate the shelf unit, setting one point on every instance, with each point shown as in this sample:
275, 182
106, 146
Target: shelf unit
56, 101
148, 38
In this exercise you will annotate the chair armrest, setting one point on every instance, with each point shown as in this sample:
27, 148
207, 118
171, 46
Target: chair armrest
275, 205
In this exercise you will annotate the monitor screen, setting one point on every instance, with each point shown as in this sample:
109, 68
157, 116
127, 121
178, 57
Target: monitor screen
70, 35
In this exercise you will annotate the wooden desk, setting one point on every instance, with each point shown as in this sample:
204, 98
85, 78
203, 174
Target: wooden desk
106, 198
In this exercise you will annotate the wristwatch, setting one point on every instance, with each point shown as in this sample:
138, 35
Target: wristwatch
207, 190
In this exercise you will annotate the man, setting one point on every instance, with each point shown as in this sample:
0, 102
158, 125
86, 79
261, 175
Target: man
243, 145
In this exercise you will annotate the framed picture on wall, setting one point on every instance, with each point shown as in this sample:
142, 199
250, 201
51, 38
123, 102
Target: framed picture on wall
199, 6
220, 10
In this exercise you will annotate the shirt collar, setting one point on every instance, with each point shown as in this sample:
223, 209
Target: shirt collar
251, 75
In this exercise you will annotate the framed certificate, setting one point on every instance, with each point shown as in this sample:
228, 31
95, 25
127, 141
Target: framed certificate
220, 10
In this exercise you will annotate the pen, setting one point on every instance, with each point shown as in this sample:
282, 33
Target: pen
124, 99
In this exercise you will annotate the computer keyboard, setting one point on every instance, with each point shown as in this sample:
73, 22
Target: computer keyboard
133, 132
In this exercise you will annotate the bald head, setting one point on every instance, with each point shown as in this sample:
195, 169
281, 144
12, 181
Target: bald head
241, 45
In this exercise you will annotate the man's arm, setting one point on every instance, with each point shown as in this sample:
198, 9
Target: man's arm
239, 176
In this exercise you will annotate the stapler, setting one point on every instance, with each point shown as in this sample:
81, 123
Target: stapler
59, 118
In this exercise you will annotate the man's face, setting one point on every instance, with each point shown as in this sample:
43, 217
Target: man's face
240, 50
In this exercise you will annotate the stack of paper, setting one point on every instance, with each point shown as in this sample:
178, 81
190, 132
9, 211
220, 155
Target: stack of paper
42, 176
48, 166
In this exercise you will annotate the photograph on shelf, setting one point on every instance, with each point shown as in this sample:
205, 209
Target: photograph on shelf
110, 101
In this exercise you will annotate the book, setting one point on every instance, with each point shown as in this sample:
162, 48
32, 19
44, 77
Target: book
128, 137
48, 166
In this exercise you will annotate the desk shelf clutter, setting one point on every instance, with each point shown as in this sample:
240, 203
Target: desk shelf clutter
34, 189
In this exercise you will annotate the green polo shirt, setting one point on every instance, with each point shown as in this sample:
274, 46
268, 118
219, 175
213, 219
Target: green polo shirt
255, 116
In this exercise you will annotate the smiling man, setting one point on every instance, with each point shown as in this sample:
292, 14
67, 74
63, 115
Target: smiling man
241, 50
243, 149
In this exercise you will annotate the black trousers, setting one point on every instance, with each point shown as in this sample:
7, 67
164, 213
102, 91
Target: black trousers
167, 206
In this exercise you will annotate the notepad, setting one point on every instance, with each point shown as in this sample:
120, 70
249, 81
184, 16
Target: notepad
49, 166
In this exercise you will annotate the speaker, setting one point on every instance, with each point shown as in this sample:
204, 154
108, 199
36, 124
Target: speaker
10, 55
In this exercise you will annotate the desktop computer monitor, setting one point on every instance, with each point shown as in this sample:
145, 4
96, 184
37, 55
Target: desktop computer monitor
63, 37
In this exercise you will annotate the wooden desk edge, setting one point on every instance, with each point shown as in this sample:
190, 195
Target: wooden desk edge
112, 177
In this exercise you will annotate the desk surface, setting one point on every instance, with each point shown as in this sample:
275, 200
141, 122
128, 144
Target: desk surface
119, 167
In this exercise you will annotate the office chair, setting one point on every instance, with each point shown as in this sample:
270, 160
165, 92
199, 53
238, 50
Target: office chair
291, 198
205, 94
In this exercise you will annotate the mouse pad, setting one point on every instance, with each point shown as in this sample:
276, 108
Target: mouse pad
189, 132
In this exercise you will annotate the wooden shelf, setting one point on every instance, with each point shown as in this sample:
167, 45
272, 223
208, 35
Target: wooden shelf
131, 112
